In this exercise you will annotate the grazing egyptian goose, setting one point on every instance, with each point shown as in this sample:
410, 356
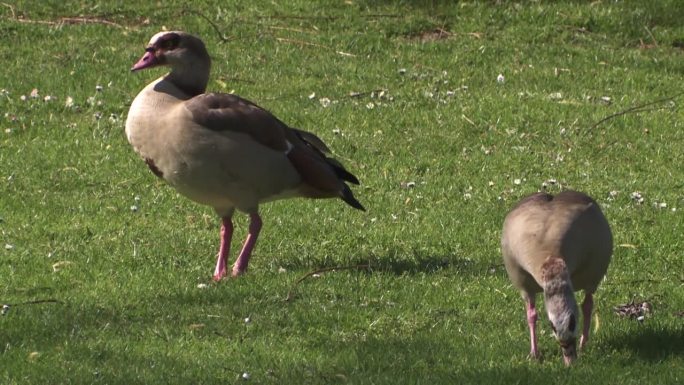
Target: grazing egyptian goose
557, 244
221, 150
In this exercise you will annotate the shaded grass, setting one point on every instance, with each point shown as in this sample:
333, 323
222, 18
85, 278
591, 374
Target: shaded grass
435, 305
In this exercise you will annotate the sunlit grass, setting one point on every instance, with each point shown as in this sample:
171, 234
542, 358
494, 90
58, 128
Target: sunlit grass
406, 94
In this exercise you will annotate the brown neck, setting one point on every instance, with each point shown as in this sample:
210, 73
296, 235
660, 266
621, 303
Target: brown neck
192, 80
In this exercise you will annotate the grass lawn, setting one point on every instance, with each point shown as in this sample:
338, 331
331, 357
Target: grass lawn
108, 271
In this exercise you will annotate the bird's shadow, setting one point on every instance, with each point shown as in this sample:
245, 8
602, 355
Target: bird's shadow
416, 264
649, 343
433, 264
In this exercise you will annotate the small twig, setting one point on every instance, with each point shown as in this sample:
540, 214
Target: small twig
220, 34
35, 302
69, 20
639, 108
6, 307
87, 20
442, 32
289, 29
329, 18
291, 292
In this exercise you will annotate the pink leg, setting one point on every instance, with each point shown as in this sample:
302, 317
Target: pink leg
224, 249
243, 259
587, 306
532, 323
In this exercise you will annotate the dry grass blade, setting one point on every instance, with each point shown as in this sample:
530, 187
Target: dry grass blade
291, 292
71, 20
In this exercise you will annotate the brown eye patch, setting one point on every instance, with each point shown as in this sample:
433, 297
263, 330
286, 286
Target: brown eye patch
572, 322
169, 41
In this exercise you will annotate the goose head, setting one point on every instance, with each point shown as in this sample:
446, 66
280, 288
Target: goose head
561, 307
184, 53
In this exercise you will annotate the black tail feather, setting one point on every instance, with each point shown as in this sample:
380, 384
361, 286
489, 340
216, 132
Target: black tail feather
315, 143
349, 198
341, 172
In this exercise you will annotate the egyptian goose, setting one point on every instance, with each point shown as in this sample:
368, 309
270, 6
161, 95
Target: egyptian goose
557, 244
221, 150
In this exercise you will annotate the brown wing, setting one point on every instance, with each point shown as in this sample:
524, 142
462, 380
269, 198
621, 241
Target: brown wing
226, 112
322, 176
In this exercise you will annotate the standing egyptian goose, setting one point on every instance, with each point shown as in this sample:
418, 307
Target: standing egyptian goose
221, 150
557, 244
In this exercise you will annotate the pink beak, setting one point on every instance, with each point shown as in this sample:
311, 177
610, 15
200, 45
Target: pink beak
148, 60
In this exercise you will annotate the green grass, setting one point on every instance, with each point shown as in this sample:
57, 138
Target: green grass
436, 305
